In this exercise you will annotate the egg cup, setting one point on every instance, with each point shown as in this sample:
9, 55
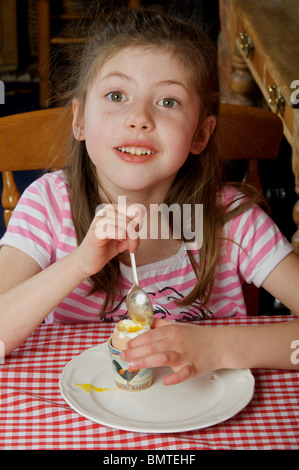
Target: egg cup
125, 378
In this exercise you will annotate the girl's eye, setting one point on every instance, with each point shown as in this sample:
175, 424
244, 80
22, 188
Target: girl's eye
168, 103
116, 96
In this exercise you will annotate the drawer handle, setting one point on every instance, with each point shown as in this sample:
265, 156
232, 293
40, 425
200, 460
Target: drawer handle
276, 100
246, 45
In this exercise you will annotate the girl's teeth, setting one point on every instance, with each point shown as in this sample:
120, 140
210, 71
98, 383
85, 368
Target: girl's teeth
136, 150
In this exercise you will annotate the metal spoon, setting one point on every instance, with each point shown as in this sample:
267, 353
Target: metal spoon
138, 303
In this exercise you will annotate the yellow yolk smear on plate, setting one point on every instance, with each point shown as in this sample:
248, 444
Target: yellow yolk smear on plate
87, 388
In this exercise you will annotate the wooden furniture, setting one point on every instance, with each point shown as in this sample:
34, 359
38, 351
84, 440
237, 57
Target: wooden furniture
8, 36
258, 53
35, 140
47, 40
39, 140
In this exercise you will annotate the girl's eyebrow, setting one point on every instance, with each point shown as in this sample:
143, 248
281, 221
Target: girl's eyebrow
174, 82
123, 76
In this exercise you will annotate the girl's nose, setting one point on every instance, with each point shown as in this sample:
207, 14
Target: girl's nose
140, 118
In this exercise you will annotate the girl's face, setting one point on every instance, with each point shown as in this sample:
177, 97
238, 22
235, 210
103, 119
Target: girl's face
140, 121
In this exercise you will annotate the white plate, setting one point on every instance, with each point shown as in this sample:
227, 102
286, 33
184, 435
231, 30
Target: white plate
193, 404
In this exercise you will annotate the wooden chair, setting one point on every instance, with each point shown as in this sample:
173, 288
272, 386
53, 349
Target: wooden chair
35, 140
39, 140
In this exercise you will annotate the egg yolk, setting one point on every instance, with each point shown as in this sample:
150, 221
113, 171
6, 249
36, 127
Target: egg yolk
129, 327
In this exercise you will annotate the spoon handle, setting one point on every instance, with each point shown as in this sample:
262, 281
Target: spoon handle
133, 262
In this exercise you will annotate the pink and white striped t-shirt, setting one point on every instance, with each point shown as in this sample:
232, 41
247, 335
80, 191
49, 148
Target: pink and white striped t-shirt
42, 227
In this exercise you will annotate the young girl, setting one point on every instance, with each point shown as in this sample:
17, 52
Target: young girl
145, 100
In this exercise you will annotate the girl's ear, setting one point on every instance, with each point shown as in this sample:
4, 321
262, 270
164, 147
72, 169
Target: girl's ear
78, 122
202, 135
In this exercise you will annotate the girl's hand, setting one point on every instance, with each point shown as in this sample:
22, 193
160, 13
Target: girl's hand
189, 350
113, 230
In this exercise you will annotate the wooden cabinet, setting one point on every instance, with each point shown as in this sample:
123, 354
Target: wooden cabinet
8, 36
50, 23
52, 18
259, 53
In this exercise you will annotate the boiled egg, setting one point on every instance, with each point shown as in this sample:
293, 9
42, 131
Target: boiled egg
124, 331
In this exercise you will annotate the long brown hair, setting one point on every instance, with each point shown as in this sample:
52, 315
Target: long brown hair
199, 181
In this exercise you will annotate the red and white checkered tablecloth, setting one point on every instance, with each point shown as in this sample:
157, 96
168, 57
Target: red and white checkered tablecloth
33, 414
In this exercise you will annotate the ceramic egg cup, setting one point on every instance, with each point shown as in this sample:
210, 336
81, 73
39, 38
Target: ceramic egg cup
125, 378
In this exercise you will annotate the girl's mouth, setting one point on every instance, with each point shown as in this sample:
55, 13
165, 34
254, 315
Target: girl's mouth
135, 154
136, 150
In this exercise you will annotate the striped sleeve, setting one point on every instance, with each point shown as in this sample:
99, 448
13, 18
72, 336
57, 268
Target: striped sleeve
258, 245
35, 224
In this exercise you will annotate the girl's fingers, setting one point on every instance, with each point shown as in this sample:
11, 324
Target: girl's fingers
140, 358
136, 213
120, 223
120, 213
104, 231
164, 345
152, 349
110, 227
143, 361
160, 322
156, 333
180, 376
